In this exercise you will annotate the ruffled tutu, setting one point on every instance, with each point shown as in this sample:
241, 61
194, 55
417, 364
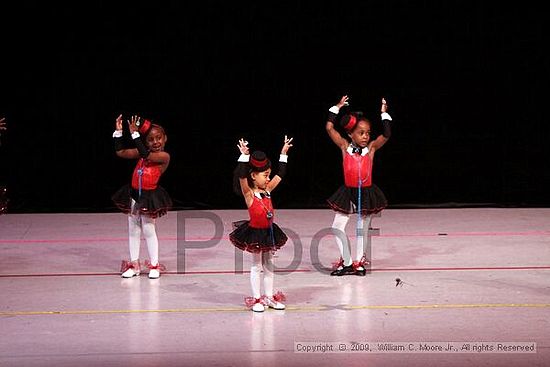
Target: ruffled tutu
256, 240
153, 203
344, 200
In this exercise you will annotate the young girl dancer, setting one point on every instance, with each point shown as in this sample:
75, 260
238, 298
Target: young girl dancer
358, 194
260, 235
143, 200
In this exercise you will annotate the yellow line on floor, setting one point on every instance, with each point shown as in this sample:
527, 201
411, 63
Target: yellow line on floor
481, 305
292, 308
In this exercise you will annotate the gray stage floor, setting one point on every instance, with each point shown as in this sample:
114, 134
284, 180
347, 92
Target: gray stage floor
470, 278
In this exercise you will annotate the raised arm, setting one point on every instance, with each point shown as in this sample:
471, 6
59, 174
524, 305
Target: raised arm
281, 171
332, 132
386, 122
242, 171
121, 151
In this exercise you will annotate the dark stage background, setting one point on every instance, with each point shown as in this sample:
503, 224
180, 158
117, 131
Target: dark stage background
466, 83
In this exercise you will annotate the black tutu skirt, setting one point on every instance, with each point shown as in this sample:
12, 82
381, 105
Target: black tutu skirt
257, 240
153, 203
344, 200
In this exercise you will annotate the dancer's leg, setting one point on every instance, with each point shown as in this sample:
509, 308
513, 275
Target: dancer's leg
255, 274
360, 251
339, 231
267, 260
150, 234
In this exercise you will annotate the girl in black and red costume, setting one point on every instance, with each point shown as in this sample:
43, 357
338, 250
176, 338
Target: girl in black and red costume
260, 235
358, 193
143, 199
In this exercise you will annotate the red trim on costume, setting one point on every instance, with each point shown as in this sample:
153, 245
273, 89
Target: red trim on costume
256, 248
339, 209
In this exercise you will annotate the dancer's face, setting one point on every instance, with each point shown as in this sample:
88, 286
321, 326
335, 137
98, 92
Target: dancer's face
156, 139
361, 134
261, 179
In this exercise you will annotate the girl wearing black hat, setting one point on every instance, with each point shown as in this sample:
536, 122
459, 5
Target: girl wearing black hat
260, 235
358, 194
143, 199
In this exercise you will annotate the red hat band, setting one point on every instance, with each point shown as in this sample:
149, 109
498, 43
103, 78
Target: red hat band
351, 123
258, 164
144, 127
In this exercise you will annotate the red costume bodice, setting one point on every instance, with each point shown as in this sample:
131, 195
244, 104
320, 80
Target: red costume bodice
258, 212
150, 177
357, 166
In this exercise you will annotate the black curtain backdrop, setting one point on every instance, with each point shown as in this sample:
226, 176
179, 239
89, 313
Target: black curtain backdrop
465, 81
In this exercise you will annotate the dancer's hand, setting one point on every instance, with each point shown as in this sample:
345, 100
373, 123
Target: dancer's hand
133, 123
384, 107
287, 145
118, 122
344, 101
243, 146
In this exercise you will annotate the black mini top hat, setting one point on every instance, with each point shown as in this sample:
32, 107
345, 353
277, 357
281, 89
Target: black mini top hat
259, 161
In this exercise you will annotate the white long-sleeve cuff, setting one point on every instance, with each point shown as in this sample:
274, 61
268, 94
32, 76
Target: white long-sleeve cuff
245, 158
117, 134
283, 158
334, 109
385, 116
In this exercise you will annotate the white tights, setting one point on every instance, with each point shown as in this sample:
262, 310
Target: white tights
339, 230
262, 261
138, 224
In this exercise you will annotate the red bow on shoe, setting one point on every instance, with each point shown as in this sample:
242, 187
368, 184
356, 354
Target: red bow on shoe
279, 297
159, 266
337, 264
125, 265
251, 301
360, 263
